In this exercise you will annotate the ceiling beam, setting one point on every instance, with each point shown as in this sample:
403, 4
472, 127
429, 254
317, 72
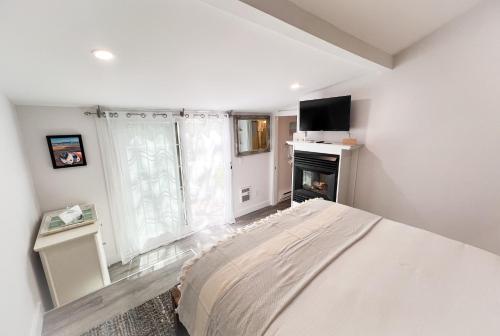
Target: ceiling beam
286, 18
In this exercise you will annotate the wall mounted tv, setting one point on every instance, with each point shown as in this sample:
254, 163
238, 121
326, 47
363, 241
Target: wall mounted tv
329, 114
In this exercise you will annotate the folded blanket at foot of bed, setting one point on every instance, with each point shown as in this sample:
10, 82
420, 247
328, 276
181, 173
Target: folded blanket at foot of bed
241, 285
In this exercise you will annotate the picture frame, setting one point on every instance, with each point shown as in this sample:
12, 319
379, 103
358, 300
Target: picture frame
66, 151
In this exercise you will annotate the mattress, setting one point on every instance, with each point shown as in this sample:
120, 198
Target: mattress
392, 279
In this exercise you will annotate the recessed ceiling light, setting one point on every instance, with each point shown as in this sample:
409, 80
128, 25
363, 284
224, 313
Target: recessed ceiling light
103, 54
295, 86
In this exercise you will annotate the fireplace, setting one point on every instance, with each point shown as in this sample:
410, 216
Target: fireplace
314, 175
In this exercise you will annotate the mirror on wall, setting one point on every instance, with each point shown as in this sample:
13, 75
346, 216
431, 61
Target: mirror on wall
252, 134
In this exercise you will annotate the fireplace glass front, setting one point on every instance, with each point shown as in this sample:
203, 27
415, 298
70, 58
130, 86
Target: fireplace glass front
315, 175
315, 181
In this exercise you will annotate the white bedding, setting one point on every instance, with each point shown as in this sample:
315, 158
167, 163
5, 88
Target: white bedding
395, 280
399, 280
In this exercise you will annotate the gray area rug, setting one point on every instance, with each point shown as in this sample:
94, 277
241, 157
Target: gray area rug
155, 317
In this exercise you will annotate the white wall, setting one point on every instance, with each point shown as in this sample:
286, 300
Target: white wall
58, 188
252, 171
432, 132
23, 290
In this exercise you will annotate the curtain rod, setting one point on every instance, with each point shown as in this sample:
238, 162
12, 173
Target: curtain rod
101, 112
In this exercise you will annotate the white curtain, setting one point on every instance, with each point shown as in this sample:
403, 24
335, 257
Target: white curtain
206, 157
165, 177
143, 183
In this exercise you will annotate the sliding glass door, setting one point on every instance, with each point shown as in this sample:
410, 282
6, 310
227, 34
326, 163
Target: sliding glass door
166, 177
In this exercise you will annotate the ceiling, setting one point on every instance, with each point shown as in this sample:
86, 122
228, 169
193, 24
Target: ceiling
169, 53
390, 25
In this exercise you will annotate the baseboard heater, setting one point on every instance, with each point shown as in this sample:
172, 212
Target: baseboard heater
285, 196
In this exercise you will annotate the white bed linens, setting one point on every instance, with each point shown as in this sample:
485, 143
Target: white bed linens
395, 280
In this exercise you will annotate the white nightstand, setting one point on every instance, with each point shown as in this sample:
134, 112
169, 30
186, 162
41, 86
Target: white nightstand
74, 261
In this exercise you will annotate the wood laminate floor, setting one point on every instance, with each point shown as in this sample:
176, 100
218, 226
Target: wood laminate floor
147, 276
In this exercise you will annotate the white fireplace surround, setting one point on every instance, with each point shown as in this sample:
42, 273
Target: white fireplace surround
347, 170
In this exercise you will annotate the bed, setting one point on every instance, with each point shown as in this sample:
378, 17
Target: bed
321, 268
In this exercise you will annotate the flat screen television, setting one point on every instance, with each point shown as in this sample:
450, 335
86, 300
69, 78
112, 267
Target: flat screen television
329, 114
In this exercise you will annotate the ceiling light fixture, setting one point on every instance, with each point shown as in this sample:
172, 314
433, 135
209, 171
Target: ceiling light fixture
103, 54
295, 86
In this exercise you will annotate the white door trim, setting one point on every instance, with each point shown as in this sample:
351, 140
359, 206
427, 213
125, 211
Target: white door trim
274, 146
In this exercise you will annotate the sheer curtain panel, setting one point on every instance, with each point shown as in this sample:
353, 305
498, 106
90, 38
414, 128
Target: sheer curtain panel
206, 161
143, 181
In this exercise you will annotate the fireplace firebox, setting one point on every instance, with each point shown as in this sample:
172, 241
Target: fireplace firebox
314, 175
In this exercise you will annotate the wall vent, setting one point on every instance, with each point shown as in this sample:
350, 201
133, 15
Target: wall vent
245, 194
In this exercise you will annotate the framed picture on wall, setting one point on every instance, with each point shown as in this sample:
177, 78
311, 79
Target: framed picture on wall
66, 151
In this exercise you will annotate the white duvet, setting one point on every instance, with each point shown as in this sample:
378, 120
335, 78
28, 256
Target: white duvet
393, 280
399, 280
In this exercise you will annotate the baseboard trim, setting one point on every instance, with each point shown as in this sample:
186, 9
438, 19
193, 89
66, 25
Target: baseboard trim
252, 208
37, 321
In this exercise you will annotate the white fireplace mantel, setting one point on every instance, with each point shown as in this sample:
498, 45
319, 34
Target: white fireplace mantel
327, 148
348, 165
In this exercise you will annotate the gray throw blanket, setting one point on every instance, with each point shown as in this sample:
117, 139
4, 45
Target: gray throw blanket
241, 285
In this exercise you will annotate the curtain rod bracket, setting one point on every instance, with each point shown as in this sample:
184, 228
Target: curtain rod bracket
99, 113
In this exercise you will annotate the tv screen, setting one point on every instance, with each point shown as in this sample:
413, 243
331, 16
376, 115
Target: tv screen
330, 114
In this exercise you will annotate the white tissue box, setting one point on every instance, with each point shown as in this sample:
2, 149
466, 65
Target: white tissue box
71, 214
